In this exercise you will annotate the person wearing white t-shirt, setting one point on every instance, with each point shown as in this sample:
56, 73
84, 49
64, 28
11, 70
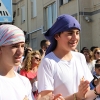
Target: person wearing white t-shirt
63, 72
12, 85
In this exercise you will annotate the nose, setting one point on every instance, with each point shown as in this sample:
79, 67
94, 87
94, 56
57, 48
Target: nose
74, 36
20, 51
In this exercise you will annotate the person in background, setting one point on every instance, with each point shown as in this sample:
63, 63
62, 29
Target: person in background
12, 85
96, 76
27, 50
93, 47
44, 45
63, 71
84, 49
89, 60
30, 68
95, 56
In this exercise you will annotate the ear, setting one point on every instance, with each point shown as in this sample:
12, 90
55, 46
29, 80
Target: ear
56, 36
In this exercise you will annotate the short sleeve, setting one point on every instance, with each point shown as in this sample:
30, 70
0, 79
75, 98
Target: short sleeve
87, 73
45, 76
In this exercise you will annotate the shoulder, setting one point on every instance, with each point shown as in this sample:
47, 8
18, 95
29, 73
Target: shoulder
77, 54
47, 64
23, 78
48, 58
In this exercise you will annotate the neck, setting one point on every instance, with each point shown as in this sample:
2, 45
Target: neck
63, 54
34, 68
7, 71
88, 60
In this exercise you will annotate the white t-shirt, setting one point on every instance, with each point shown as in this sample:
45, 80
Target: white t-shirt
35, 86
16, 88
91, 66
61, 76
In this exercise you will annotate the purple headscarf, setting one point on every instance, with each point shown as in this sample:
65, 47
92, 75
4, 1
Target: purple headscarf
63, 23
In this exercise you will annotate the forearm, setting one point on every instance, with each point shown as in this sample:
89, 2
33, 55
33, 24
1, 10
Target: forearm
73, 97
90, 95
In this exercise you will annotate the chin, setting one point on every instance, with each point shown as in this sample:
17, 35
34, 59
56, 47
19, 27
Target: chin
17, 63
73, 48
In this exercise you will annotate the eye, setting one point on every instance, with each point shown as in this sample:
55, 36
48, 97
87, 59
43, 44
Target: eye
77, 32
23, 45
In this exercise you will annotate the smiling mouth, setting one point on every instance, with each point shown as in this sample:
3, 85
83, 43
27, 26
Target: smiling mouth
73, 43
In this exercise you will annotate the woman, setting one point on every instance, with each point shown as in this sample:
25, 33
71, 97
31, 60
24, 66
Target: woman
61, 69
96, 54
12, 85
31, 66
89, 60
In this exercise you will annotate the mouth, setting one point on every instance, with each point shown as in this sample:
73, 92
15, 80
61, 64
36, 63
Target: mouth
18, 59
73, 43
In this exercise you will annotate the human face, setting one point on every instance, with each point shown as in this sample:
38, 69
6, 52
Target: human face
68, 40
86, 54
11, 54
97, 70
36, 59
46, 45
97, 54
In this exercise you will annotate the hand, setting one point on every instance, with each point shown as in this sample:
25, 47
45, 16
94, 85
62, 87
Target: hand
58, 97
83, 88
25, 98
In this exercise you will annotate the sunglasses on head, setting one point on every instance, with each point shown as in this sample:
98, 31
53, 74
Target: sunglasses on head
98, 53
37, 58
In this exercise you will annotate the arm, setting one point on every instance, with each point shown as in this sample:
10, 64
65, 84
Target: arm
44, 95
83, 88
91, 94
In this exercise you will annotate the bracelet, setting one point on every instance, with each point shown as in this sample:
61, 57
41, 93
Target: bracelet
96, 91
75, 98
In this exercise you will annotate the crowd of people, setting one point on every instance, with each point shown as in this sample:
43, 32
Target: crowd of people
58, 71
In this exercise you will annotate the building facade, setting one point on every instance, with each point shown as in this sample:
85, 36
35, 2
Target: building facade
36, 16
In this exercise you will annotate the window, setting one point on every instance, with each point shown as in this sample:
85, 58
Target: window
17, 11
33, 9
23, 14
50, 15
34, 43
60, 2
66, 1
